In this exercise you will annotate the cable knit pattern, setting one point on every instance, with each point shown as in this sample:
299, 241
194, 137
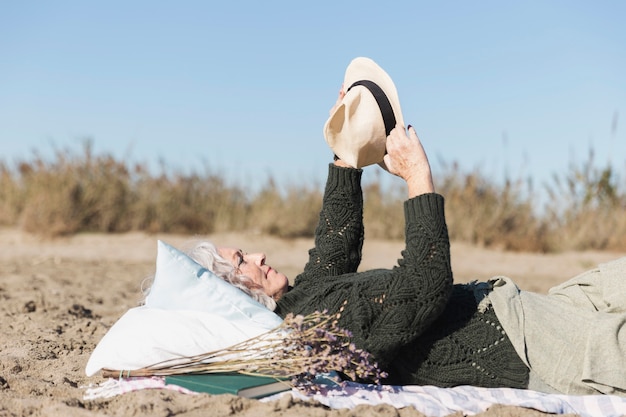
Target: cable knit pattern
388, 311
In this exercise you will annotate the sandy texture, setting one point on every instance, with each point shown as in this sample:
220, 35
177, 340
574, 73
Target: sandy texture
59, 297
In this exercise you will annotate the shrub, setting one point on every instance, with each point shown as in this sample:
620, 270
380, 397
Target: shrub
77, 192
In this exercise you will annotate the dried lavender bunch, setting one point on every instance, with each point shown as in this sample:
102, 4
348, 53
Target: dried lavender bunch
300, 348
326, 347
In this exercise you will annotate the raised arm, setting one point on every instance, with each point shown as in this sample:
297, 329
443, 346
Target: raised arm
339, 232
413, 295
418, 289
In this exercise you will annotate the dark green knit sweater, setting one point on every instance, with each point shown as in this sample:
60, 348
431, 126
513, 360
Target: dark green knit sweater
420, 327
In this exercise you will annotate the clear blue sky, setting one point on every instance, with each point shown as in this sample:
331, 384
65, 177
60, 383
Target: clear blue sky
517, 88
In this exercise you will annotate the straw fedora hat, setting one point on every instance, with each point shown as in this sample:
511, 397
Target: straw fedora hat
358, 128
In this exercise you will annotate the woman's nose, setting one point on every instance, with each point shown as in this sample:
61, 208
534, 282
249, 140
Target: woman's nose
258, 258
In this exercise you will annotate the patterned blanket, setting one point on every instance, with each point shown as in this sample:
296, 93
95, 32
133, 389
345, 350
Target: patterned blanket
429, 400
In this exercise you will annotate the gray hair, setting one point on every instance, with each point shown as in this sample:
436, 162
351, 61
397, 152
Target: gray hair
205, 253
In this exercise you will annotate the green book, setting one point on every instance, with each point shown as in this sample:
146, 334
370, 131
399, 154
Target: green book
248, 386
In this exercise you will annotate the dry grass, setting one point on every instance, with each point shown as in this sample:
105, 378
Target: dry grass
77, 192
481, 211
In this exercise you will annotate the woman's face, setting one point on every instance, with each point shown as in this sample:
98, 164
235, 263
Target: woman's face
253, 266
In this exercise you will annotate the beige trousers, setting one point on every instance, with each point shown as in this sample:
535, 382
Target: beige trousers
574, 338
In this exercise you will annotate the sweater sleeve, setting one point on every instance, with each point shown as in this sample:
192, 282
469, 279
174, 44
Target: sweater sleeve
417, 290
386, 309
339, 232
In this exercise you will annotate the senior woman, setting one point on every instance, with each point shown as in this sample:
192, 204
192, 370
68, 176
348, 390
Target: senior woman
418, 325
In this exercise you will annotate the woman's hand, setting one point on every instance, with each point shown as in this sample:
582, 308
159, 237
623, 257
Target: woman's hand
407, 159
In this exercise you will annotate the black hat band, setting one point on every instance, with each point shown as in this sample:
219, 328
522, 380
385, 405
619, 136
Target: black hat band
383, 103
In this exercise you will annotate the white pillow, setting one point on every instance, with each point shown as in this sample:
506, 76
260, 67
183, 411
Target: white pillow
189, 311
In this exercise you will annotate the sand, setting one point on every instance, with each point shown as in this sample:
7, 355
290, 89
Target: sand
59, 297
